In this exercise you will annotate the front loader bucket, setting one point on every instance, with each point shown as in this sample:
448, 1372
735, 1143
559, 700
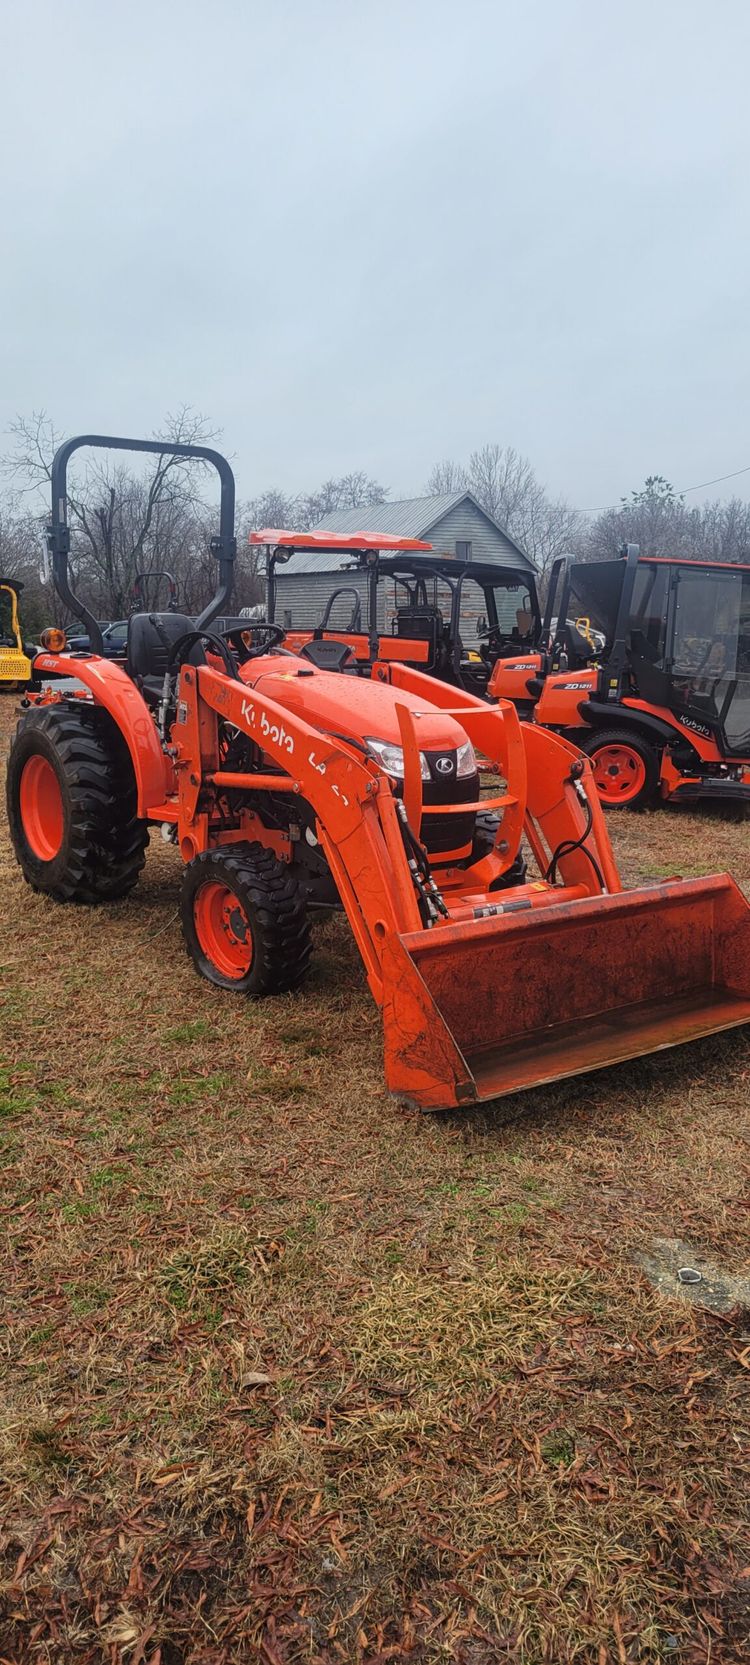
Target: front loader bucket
478, 1010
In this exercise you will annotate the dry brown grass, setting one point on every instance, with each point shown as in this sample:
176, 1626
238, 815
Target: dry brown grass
293, 1374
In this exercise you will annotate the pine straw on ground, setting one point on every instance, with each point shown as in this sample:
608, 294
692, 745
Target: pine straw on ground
291, 1373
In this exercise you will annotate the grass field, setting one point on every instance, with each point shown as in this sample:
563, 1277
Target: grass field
292, 1373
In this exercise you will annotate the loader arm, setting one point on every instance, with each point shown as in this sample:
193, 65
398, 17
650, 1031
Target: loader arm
541, 798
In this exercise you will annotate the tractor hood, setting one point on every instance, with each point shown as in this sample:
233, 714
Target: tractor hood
353, 705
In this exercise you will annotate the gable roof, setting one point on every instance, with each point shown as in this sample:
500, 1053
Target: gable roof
411, 517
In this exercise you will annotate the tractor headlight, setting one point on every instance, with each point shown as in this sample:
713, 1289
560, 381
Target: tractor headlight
392, 758
466, 763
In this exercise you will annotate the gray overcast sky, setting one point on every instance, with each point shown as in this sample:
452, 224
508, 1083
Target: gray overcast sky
376, 234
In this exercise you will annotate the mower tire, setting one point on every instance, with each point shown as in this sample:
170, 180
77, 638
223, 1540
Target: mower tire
244, 921
626, 768
72, 804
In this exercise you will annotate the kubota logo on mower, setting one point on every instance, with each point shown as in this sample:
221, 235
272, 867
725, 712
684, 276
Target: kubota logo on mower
445, 765
275, 732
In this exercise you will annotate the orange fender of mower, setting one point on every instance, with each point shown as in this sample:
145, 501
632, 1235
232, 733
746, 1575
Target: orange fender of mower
478, 1010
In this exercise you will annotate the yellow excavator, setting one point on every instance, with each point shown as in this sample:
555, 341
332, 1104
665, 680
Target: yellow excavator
15, 664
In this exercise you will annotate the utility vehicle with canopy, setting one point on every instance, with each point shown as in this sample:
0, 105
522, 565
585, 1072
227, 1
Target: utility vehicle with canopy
450, 618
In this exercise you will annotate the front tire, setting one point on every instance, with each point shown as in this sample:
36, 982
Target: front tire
72, 805
244, 921
485, 833
626, 768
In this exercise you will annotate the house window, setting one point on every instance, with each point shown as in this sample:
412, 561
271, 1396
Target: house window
463, 550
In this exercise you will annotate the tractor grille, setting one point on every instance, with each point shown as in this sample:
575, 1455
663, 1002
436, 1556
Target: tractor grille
448, 832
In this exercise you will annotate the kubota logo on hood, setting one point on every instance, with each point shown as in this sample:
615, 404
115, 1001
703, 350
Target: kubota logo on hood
445, 765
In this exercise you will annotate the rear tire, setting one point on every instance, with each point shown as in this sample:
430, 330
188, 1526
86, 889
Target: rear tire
626, 768
72, 805
244, 921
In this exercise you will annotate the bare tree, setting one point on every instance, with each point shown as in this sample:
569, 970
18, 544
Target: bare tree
505, 485
657, 519
445, 477
349, 491
503, 481
20, 558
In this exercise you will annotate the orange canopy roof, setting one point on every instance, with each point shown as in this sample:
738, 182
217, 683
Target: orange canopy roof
334, 540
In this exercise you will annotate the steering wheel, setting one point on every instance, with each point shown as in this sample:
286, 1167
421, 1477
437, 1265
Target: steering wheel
272, 635
494, 635
184, 643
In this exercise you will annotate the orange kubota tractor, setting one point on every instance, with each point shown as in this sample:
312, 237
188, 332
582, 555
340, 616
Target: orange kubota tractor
286, 786
661, 702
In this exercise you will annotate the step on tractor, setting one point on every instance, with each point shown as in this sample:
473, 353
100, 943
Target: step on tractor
450, 619
662, 709
15, 656
412, 805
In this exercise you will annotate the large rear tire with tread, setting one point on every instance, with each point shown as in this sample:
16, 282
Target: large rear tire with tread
72, 804
626, 768
244, 920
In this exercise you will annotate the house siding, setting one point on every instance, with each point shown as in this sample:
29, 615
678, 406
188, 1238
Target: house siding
304, 596
466, 524
304, 599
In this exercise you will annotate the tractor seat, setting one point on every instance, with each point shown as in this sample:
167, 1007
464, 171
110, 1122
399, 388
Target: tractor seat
151, 637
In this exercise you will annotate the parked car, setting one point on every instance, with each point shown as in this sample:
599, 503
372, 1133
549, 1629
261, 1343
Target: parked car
114, 637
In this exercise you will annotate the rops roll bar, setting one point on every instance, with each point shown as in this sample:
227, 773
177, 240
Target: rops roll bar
58, 531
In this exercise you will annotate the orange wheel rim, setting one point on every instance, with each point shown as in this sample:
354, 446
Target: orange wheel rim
223, 929
619, 773
42, 811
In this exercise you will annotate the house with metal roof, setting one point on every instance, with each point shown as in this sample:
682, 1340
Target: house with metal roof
454, 523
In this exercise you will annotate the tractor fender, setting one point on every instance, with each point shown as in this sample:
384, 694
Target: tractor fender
615, 713
113, 689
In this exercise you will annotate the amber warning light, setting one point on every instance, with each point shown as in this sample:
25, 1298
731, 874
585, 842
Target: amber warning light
53, 640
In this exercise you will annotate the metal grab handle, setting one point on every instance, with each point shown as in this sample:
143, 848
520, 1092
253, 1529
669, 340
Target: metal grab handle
139, 593
355, 621
58, 531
